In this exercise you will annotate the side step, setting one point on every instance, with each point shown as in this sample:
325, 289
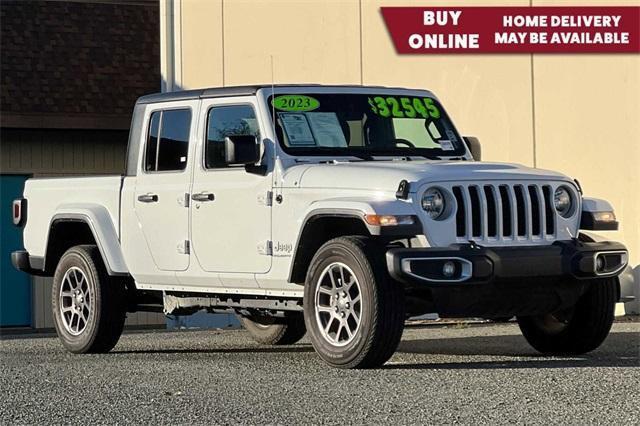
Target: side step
181, 304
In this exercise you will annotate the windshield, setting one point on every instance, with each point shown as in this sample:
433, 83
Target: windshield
364, 125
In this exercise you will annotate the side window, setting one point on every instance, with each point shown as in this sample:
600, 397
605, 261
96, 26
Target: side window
168, 140
223, 121
151, 156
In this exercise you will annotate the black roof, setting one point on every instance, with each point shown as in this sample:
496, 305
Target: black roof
218, 92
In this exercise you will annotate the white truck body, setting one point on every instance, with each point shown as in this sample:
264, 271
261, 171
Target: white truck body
248, 231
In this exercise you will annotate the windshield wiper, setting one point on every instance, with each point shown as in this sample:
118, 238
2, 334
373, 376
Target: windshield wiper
407, 156
340, 153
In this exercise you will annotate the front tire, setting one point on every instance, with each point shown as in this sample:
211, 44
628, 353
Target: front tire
88, 306
576, 330
353, 311
275, 331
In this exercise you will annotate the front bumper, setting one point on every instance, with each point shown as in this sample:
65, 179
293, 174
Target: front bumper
469, 263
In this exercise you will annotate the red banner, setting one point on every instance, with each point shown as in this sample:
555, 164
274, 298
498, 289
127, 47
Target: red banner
417, 30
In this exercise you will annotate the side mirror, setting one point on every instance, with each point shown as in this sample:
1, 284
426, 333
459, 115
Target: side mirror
241, 150
474, 146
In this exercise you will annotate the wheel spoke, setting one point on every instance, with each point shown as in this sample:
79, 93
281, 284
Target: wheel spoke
321, 308
340, 327
328, 325
332, 278
348, 283
324, 290
355, 315
72, 321
349, 331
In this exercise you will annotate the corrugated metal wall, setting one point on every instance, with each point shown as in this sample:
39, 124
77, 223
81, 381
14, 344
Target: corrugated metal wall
51, 152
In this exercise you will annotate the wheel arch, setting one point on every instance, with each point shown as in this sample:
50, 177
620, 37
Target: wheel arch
89, 224
325, 223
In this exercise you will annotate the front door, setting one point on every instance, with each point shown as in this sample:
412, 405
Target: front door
161, 201
231, 213
15, 286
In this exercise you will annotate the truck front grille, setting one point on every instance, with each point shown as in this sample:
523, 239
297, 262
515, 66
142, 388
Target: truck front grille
495, 212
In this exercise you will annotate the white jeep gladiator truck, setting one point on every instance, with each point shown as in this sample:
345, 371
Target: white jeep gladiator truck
334, 210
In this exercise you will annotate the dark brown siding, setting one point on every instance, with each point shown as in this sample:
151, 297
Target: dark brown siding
86, 61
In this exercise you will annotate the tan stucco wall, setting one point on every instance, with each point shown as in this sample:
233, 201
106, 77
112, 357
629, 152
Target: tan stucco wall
577, 114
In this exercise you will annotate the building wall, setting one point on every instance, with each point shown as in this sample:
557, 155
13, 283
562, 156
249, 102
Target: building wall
572, 113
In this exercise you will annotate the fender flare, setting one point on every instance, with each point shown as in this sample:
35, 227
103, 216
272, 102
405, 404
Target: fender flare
104, 232
357, 208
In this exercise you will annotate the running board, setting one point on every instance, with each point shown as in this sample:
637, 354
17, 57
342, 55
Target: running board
187, 304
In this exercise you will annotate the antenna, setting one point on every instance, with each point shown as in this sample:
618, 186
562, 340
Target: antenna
273, 95
273, 123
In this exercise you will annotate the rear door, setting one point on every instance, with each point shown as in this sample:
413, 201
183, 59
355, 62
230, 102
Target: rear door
231, 213
161, 199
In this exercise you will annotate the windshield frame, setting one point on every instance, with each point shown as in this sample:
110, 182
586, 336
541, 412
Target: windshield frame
266, 93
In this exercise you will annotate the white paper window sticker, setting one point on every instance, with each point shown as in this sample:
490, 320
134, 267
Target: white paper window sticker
326, 129
446, 145
297, 129
433, 131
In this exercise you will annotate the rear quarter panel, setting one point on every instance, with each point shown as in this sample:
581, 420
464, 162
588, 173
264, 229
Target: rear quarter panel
47, 196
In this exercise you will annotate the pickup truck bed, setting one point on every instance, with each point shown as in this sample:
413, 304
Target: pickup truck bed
51, 196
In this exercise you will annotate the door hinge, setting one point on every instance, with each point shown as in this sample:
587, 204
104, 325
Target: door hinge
267, 199
184, 247
265, 248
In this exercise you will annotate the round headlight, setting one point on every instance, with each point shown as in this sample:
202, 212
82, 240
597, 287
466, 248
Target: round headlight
562, 201
433, 202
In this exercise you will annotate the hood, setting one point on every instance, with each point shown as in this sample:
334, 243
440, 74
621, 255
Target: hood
386, 175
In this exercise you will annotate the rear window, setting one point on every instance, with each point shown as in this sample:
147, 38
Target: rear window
168, 140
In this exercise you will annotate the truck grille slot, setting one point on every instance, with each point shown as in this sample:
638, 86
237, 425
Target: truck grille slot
535, 210
548, 209
520, 208
507, 229
460, 213
492, 213
476, 211
503, 211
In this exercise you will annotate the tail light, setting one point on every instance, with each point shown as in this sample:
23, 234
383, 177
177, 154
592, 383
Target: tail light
19, 211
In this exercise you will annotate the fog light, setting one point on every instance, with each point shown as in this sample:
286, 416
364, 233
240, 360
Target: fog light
600, 264
448, 269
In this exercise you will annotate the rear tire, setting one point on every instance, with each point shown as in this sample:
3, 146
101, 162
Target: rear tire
353, 310
88, 306
577, 330
275, 331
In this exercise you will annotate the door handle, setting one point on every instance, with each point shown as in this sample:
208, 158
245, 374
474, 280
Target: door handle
203, 196
148, 198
